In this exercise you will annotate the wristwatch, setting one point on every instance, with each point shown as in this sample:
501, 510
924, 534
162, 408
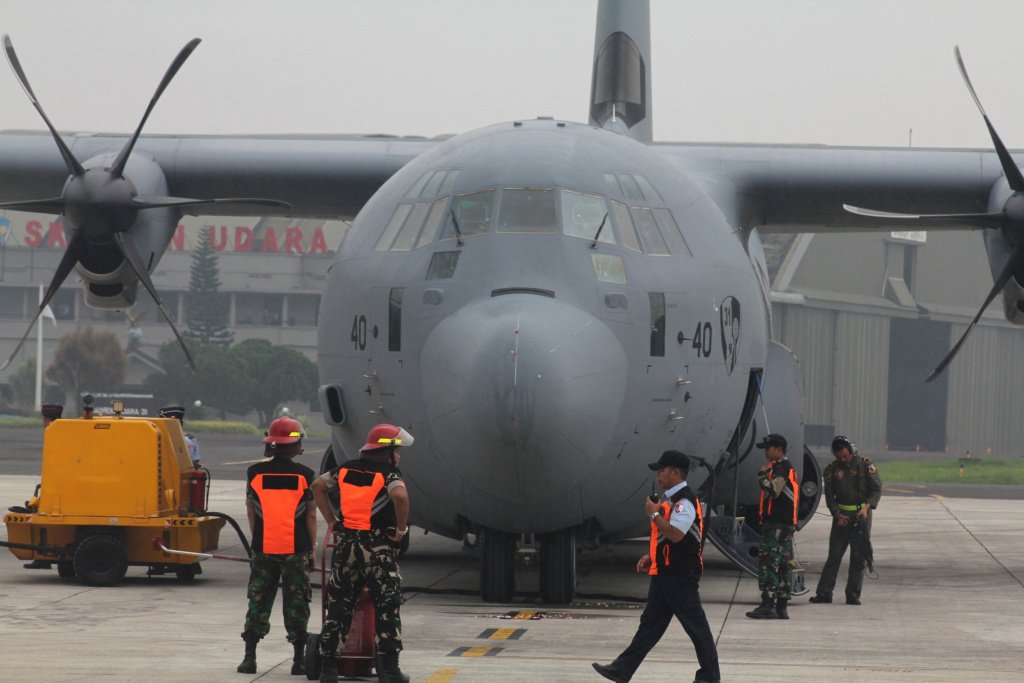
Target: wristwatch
655, 515
402, 532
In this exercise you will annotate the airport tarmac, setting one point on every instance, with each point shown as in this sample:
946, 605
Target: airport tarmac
946, 607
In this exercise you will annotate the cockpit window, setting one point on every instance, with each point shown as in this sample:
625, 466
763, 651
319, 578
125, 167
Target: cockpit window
527, 210
433, 184
582, 215
650, 194
473, 213
417, 187
631, 187
626, 230
608, 268
649, 233
410, 231
442, 265
388, 236
438, 211
449, 182
673, 235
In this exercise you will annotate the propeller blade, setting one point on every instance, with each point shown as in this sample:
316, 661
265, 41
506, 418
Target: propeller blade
51, 205
1015, 261
74, 168
996, 219
1010, 169
155, 202
117, 169
128, 251
72, 254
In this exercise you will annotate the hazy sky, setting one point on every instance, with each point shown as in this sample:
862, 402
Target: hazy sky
861, 72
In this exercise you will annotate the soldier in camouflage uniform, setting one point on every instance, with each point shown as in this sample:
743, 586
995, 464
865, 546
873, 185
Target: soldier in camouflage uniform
780, 497
852, 490
374, 509
282, 519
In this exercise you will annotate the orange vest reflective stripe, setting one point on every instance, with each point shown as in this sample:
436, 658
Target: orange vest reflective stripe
357, 490
280, 495
694, 535
791, 491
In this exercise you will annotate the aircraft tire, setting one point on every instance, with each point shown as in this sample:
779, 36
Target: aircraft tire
101, 560
558, 567
497, 572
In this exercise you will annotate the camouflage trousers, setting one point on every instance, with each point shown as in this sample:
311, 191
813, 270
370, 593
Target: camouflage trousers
774, 572
266, 572
363, 558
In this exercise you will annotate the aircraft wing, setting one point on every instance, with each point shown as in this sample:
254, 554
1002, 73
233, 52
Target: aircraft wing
802, 188
319, 176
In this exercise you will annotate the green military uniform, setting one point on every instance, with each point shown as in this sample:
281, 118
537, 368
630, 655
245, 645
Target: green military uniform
364, 557
848, 488
284, 567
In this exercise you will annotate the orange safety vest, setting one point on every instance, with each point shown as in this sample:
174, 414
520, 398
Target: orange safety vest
358, 489
783, 508
668, 557
280, 495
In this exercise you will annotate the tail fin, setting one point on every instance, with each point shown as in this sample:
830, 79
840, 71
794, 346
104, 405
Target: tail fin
620, 92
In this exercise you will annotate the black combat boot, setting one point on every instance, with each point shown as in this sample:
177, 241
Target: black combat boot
328, 670
389, 671
248, 665
780, 609
299, 661
765, 611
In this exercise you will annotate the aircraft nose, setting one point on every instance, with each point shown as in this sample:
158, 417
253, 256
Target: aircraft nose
524, 394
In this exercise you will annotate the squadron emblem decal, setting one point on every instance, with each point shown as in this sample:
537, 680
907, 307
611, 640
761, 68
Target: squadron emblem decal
729, 316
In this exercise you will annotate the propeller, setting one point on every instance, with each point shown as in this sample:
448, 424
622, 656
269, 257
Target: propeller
1010, 219
100, 204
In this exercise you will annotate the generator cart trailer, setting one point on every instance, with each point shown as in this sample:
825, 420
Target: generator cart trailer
110, 486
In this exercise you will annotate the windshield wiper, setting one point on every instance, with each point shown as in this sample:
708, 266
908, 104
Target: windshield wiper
599, 229
458, 233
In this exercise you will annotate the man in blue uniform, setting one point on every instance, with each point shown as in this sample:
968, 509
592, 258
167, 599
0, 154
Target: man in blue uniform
675, 565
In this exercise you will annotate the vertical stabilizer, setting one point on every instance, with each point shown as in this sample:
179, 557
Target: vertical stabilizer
620, 91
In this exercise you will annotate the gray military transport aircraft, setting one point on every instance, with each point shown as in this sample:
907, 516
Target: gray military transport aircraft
546, 305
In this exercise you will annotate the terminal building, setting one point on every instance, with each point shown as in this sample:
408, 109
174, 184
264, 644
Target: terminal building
869, 315
273, 270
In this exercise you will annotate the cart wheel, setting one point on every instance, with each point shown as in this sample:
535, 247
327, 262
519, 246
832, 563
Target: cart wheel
66, 570
312, 657
186, 573
101, 560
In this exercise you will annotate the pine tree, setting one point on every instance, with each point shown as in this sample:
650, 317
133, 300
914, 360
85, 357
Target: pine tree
207, 309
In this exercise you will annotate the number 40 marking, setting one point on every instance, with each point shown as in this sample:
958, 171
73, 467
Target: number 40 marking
702, 339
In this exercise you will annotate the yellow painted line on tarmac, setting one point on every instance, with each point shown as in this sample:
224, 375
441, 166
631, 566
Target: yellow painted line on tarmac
895, 490
475, 651
502, 633
246, 462
442, 676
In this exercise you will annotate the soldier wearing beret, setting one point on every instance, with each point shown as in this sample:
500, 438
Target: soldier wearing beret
852, 490
780, 496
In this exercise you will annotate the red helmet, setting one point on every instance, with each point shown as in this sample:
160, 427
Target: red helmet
386, 436
283, 430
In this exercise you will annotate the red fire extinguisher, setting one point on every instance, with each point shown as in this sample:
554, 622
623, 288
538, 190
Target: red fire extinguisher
199, 487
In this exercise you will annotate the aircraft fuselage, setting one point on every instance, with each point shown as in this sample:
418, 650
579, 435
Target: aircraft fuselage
538, 374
